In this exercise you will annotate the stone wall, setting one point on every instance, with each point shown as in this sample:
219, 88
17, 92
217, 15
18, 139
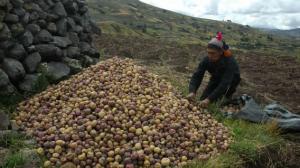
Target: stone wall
52, 38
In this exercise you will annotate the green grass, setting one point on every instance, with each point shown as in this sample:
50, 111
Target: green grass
14, 141
14, 160
249, 142
16, 144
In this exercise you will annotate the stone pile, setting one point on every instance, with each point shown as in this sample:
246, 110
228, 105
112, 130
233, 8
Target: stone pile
49, 36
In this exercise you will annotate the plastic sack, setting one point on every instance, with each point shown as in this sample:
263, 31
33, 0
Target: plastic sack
252, 112
278, 111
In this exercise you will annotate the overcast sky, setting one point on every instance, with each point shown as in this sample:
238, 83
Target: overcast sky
281, 14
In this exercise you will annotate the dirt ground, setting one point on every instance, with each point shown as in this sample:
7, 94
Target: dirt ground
272, 79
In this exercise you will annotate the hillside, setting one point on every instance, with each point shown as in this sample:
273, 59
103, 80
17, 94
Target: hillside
132, 17
293, 33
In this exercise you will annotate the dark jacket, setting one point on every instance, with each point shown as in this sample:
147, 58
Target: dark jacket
223, 72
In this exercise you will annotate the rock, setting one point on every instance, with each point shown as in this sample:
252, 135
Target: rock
14, 69
34, 16
17, 52
43, 5
33, 28
16, 29
32, 7
50, 3
52, 17
42, 23
61, 27
68, 165
57, 71
9, 91
11, 18
81, 4
3, 151
43, 15
29, 83
86, 49
4, 121
59, 9
95, 29
78, 29
32, 61
2, 55
5, 45
25, 18
26, 39
77, 19
30, 142
75, 65
49, 52
28, 153
86, 26
19, 11
86, 37
3, 3
14, 126
73, 37
32, 158
73, 52
71, 25
31, 49
83, 10
87, 61
9, 6
61, 42
52, 27
96, 60
2, 15
71, 7
5, 133
43, 37
5, 33
4, 79
17, 3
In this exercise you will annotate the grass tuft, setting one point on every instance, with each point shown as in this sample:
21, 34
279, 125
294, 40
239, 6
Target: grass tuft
14, 141
14, 160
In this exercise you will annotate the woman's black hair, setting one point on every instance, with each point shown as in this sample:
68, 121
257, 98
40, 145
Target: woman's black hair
212, 46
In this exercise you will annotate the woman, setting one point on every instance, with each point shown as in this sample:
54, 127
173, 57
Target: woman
224, 70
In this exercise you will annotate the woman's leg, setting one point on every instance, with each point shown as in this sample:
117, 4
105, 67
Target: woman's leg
212, 84
234, 84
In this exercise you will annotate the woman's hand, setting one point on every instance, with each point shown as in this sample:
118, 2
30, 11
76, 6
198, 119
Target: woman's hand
204, 103
191, 96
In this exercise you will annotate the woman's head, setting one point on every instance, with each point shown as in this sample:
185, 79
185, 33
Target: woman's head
215, 48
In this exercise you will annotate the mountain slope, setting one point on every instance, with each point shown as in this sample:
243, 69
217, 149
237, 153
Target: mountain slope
132, 17
293, 33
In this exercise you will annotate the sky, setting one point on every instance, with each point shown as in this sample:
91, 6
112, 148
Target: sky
280, 14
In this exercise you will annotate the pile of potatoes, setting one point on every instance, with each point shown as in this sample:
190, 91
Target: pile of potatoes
116, 114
